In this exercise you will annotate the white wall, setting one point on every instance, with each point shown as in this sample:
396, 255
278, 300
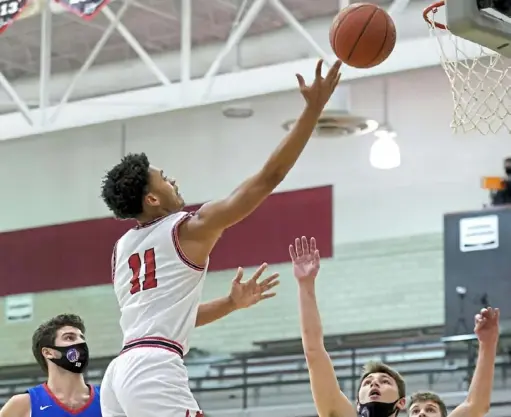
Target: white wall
47, 180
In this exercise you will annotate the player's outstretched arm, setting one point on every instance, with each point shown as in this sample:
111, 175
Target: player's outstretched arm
17, 406
199, 234
328, 398
477, 403
242, 295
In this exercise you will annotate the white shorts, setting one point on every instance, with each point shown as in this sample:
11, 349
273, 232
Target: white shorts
147, 382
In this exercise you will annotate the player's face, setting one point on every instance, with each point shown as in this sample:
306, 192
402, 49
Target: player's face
163, 193
425, 409
66, 336
378, 387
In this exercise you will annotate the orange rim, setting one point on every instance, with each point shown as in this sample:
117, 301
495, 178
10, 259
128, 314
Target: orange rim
432, 9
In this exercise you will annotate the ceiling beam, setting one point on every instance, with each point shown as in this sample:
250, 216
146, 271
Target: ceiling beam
408, 55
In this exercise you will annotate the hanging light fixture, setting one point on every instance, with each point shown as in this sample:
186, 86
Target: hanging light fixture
385, 153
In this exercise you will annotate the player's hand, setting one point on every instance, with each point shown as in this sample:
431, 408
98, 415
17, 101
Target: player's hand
318, 93
248, 293
305, 258
487, 325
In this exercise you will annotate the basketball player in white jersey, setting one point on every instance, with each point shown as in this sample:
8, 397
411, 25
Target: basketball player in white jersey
159, 266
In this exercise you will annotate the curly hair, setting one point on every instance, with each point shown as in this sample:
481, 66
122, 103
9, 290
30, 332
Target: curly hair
46, 334
125, 185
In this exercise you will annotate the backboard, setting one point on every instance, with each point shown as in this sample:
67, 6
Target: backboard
485, 22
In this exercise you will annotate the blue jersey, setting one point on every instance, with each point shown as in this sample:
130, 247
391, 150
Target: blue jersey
44, 404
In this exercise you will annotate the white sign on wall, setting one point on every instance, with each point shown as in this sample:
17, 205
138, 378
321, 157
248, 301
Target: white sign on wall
479, 233
19, 308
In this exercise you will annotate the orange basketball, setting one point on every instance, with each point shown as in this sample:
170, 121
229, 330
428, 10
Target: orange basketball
363, 35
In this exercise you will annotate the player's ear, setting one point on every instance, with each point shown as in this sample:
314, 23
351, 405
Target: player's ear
401, 404
151, 200
47, 353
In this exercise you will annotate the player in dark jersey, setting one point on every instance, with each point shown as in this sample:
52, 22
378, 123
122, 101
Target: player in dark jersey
381, 390
60, 349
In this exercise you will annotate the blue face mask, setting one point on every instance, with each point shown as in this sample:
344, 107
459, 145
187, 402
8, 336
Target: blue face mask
378, 409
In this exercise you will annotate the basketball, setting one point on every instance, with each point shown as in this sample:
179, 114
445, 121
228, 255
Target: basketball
363, 35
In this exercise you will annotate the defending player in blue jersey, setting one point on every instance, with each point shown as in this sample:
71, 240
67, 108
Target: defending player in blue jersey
60, 349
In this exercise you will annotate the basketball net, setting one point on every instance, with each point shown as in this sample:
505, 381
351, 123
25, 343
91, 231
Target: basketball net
480, 83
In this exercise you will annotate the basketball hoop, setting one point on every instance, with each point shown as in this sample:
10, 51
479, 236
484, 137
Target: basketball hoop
480, 83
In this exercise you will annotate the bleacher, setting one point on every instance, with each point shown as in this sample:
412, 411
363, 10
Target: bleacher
274, 375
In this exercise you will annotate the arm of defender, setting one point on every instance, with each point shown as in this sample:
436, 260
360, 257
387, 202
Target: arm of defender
477, 403
330, 401
200, 233
17, 406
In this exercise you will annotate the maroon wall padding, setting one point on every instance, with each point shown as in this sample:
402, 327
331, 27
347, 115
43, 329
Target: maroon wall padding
266, 234
78, 254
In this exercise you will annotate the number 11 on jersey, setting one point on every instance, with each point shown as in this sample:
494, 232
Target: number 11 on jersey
149, 280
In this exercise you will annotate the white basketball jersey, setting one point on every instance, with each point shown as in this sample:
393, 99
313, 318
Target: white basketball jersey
157, 288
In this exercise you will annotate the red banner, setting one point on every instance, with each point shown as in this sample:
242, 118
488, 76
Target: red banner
78, 254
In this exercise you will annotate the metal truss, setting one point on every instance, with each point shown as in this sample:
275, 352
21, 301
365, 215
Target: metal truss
45, 115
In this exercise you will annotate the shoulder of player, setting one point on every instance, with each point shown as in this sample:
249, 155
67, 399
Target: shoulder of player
17, 406
160, 222
192, 241
188, 224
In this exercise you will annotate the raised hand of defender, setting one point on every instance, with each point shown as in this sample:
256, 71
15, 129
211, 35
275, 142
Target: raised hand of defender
305, 258
318, 93
248, 293
487, 325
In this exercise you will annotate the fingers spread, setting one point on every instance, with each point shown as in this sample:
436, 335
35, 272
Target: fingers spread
301, 81
292, 253
259, 272
239, 275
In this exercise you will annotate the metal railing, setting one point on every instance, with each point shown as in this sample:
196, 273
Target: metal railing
246, 375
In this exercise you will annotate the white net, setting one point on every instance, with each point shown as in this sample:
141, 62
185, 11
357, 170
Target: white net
480, 83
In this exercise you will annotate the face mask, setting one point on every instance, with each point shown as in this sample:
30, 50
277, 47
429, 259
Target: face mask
75, 358
377, 409
508, 170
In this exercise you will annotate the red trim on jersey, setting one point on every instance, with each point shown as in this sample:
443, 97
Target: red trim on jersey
114, 258
154, 342
156, 338
150, 223
199, 413
69, 410
175, 240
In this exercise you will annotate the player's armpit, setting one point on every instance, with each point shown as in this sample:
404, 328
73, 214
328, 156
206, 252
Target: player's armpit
17, 406
330, 401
